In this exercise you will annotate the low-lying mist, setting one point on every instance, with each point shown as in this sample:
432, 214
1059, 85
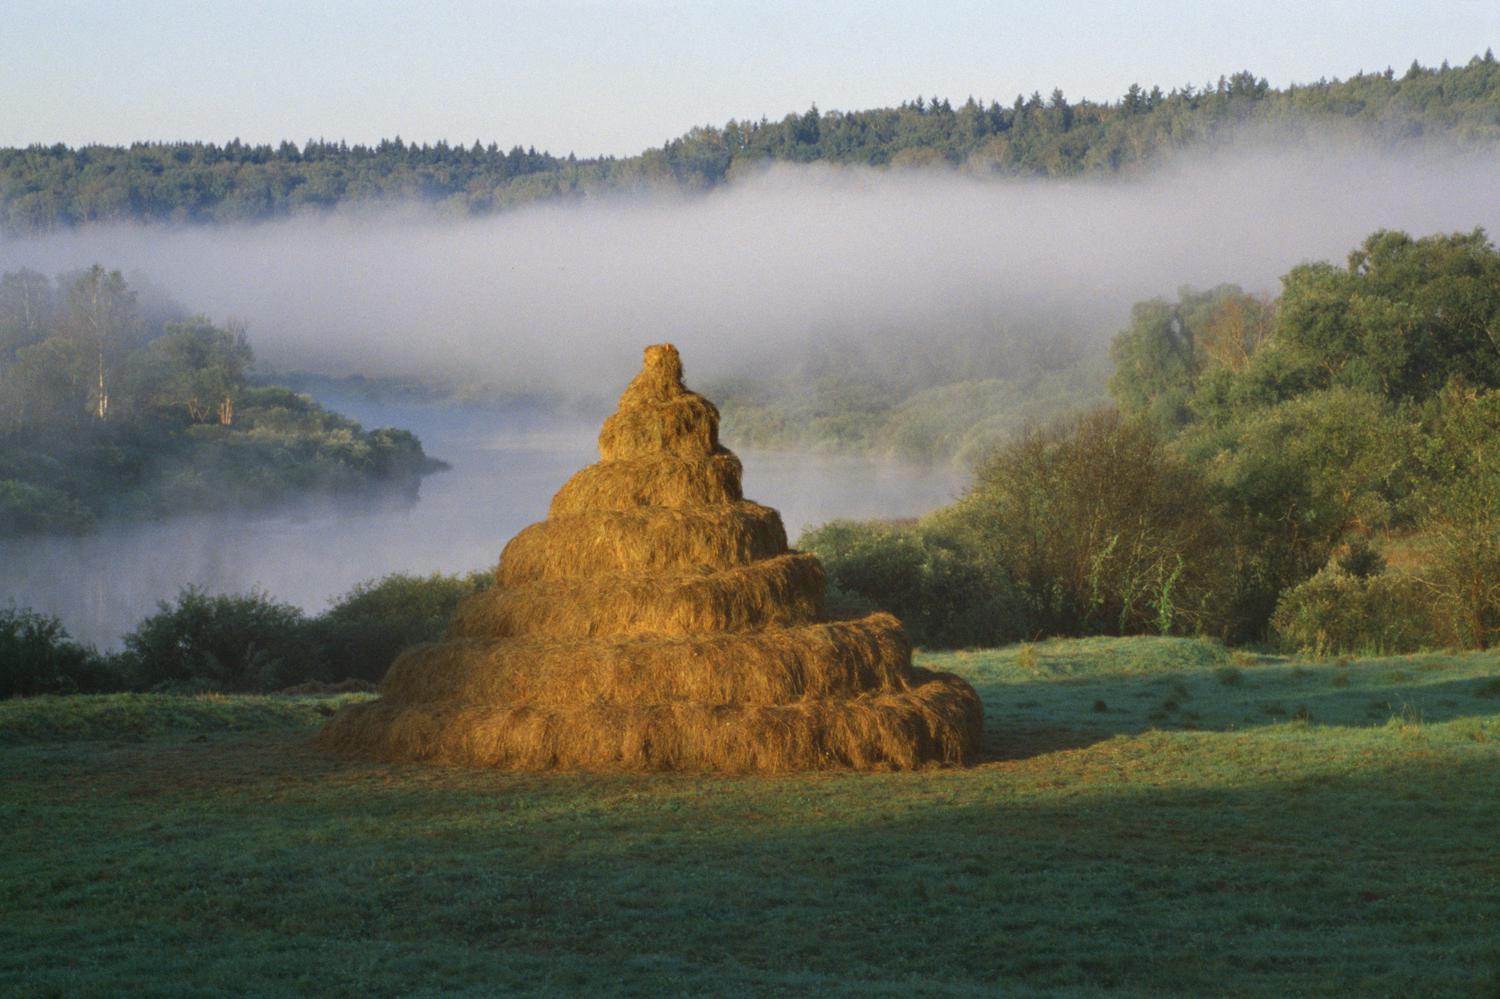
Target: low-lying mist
562, 296
792, 272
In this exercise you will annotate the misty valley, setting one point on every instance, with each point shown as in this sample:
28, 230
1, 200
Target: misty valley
958, 548
503, 465
1307, 470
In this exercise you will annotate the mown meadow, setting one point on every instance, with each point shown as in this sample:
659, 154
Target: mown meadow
1153, 816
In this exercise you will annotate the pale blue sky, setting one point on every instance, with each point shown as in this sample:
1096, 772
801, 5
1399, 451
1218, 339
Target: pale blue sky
590, 76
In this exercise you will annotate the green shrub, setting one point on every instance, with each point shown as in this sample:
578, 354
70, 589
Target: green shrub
1460, 520
240, 643
1102, 530
25, 507
1337, 612
364, 630
841, 603
1360, 559
944, 595
1291, 480
38, 657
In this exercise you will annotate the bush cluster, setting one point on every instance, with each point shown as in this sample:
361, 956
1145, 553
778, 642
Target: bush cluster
38, 657
241, 643
1092, 527
360, 635
942, 594
224, 643
1337, 612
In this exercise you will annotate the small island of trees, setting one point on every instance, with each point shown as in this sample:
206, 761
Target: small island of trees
118, 403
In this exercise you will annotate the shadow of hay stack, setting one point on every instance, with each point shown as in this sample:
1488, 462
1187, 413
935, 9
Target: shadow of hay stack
657, 621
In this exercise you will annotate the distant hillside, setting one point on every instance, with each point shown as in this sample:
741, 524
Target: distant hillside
49, 187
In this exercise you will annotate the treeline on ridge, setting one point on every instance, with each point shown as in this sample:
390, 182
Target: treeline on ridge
1321, 470
48, 187
117, 402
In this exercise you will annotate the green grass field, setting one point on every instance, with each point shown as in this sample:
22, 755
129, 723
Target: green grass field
1154, 817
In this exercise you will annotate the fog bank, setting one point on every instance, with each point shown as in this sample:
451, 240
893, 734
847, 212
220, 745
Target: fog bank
564, 295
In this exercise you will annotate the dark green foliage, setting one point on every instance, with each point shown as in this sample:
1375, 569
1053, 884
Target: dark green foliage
1460, 515
1168, 345
202, 369
1360, 560
254, 643
1364, 401
47, 187
281, 446
1294, 478
38, 657
1102, 530
1403, 319
944, 595
1336, 612
364, 630
25, 508
240, 643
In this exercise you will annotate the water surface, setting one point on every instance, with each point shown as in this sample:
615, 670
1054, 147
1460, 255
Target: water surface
505, 466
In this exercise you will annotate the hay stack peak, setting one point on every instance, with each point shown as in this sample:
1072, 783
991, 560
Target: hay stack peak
656, 620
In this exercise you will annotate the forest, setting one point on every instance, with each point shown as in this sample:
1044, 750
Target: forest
43, 188
115, 401
1320, 471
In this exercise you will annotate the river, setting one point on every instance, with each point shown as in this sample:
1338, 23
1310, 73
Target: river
504, 469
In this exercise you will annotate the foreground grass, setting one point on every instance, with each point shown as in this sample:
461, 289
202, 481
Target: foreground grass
137, 717
1155, 816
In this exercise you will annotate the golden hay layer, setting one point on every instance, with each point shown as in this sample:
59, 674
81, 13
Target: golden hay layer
786, 590
665, 480
659, 379
686, 425
939, 720
645, 539
773, 666
600, 652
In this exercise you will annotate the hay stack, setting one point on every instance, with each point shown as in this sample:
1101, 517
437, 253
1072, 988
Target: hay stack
657, 621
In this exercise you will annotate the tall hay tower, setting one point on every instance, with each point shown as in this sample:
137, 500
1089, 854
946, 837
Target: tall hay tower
656, 620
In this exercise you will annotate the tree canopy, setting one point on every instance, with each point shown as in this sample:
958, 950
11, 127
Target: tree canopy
47, 187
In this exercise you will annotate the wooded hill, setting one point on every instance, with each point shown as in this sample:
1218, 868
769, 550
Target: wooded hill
1321, 469
48, 187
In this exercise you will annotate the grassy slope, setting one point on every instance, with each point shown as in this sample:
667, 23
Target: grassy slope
1194, 836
